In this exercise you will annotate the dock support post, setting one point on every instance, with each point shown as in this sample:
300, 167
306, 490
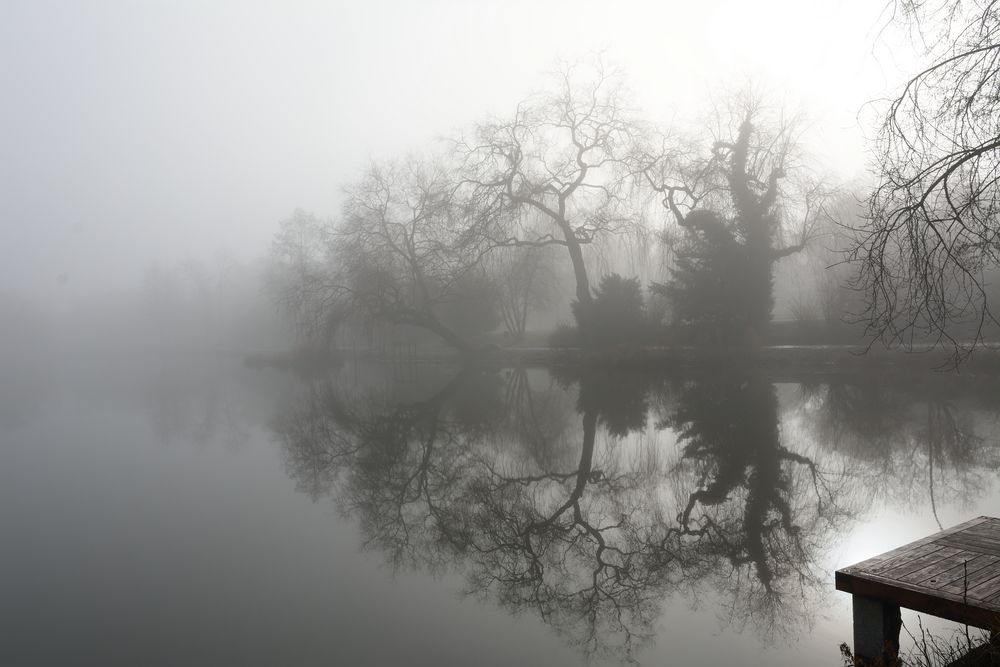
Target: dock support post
876, 630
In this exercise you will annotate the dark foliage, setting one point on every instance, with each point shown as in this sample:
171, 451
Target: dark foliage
615, 315
734, 212
710, 293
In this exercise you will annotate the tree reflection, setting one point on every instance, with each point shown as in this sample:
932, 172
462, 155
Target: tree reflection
580, 543
758, 510
567, 496
397, 464
533, 525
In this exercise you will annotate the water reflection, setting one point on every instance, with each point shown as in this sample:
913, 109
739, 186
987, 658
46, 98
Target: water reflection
762, 512
589, 499
918, 443
511, 488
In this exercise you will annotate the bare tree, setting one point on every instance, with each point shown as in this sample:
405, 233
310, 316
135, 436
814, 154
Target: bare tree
566, 158
933, 226
405, 249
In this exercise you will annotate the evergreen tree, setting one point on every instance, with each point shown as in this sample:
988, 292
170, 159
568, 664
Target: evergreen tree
721, 287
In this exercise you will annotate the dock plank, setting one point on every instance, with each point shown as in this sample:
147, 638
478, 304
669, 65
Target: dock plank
984, 530
985, 590
927, 560
962, 570
901, 559
927, 576
959, 583
976, 543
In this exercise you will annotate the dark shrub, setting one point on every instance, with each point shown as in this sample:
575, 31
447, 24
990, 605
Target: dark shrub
616, 315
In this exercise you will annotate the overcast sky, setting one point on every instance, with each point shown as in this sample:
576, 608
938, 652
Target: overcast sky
133, 132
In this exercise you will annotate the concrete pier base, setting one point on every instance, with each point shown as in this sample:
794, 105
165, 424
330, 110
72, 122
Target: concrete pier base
876, 630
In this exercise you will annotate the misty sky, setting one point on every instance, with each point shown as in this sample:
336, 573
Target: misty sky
133, 132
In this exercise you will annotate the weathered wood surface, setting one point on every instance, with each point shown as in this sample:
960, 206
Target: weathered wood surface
954, 574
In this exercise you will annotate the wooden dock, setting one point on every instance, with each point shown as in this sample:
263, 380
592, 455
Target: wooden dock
954, 574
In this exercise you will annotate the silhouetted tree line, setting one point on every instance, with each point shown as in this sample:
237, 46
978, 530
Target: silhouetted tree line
465, 241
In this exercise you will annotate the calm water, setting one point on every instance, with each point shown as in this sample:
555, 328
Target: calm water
198, 512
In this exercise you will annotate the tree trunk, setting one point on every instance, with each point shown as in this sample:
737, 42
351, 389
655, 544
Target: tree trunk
583, 295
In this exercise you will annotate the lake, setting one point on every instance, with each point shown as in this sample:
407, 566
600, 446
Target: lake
190, 510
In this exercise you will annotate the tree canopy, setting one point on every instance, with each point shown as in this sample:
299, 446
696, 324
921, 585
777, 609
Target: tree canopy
561, 168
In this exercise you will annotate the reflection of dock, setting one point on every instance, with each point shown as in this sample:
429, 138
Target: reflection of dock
954, 574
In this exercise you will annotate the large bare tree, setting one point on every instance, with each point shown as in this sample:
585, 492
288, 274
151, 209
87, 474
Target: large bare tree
565, 159
933, 231
404, 250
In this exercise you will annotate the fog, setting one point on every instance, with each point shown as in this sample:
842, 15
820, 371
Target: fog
602, 332
157, 132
